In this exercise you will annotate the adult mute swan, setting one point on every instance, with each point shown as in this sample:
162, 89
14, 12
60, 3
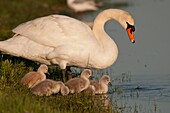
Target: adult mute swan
82, 5
33, 78
58, 39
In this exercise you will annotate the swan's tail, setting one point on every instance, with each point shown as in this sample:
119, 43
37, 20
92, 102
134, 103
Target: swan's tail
11, 46
21, 46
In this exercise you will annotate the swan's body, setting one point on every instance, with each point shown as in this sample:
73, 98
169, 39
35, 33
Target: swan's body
48, 87
77, 85
33, 78
101, 87
65, 41
82, 5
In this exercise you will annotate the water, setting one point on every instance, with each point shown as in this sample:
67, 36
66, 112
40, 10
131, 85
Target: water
147, 92
147, 88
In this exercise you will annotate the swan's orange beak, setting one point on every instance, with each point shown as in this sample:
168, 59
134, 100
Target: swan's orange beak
130, 33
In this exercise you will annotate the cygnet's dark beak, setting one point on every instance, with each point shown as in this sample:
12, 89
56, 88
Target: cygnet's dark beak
91, 77
109, 84
47, 73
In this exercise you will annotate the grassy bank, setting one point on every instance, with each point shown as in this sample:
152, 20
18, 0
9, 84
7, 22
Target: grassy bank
15, 98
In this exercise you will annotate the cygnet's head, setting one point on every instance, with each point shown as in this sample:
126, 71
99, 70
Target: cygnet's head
64, 90
43, 68
87, 73
105, 79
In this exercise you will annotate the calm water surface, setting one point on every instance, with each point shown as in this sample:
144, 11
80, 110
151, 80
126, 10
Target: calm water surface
147, 62
145, 92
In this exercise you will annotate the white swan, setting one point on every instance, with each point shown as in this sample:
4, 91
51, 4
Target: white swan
82, 5
65, 41
33, 78
48, 87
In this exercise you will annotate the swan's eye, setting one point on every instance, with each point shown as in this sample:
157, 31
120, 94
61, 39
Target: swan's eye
131, 27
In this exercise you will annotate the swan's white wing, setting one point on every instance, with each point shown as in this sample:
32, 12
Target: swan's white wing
55, 30
21, 46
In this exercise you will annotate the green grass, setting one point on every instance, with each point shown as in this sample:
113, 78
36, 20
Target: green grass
22, 101
15, 12
15, 98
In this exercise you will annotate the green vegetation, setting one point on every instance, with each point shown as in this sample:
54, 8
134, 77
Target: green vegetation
15, 12
15, 98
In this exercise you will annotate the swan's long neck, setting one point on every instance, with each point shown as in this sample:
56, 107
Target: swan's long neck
101, 19
108, 48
